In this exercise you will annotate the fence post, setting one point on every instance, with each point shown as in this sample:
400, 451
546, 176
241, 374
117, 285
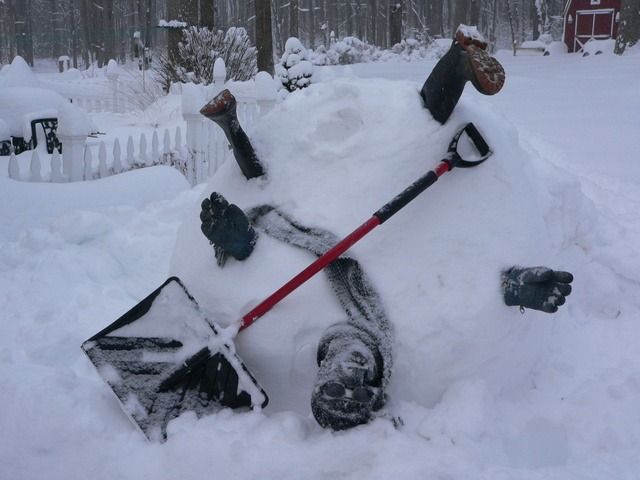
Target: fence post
192, 101
112, 75
73, 155
219, 76
265, 92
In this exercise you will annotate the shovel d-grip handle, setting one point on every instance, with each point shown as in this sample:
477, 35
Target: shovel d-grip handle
452, 160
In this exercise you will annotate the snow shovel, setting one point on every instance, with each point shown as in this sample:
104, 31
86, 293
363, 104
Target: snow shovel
165, 357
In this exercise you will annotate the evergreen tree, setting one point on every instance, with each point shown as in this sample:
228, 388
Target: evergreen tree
295, 69
629, 29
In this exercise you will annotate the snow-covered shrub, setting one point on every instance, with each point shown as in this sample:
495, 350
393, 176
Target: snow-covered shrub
421, 47
347, 51
198, 51
294, 70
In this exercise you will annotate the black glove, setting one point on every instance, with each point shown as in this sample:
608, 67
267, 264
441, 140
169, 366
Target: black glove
227, 228
539, 288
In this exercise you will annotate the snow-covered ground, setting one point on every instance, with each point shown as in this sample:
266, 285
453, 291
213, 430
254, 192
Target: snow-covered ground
74, 257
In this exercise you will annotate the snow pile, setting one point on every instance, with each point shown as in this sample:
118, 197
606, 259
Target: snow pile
436, 265
598, 47
19, 74
74, 121
19, 104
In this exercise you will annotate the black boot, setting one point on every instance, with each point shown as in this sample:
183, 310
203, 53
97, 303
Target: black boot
222, 110
349, 385
465, 61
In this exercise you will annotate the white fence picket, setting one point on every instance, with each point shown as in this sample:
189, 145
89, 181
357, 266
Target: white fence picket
117, 163
56, 167
155, 151
131, 159
143, 158
14, 168
88, 164
103, 172
35, 167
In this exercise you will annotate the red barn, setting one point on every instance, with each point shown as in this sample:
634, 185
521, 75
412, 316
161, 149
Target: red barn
587, 19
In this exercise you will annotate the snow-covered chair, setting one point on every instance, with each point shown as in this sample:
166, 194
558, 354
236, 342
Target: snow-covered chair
49, 126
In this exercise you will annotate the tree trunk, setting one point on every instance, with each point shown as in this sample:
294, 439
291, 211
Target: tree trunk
264, 40
207, 14
293, 18
460, 13
109, 33
395, 22
24, 40
629, 26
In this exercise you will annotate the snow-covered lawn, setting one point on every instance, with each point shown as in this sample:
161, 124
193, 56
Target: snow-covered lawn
74, 257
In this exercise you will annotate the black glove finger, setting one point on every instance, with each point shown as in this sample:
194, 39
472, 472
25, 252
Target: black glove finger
536, 275
207, 230
218, 204
205, 205
562, 277
205, 215
559, 300
549, 307
562, 289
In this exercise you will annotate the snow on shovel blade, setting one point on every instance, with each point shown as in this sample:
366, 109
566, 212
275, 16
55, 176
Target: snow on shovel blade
163, 358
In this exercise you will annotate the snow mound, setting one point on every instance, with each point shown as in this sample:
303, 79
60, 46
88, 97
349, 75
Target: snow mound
19, 74
335, 153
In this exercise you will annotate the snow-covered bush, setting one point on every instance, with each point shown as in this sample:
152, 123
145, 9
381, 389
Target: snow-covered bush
347, 51
412, 49
198, 51
294, 70
351, 50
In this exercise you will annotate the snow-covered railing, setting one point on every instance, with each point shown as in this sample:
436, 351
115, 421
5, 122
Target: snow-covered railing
82, 161
197, 151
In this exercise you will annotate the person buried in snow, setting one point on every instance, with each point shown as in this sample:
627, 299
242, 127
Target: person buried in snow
355, 356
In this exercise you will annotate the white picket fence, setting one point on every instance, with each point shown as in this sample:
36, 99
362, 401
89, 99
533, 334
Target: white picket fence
198, 153
68, 168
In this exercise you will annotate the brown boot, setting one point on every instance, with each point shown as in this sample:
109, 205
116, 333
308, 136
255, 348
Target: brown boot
465, 61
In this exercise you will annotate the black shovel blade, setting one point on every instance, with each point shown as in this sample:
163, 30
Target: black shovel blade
164, 357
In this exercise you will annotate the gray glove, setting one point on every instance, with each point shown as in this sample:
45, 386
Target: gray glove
539, 288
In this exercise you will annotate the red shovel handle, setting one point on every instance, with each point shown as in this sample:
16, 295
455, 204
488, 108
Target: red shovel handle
346, 243
382, 215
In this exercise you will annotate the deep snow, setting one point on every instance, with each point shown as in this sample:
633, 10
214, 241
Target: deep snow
74, 257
